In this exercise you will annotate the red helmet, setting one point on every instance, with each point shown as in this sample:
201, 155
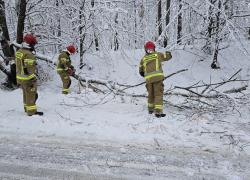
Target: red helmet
149, 45
71, 48
30, 39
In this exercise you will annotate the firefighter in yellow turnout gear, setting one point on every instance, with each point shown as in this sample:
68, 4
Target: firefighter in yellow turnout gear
25, 74
151, 69
64, 67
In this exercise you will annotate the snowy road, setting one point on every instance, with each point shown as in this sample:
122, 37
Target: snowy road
48, 158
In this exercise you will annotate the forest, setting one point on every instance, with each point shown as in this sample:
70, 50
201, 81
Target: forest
103, 26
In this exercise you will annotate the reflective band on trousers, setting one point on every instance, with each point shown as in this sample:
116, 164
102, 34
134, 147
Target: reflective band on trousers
153, 74
60, 69
65, 90
31, 108
158, 106
25, 77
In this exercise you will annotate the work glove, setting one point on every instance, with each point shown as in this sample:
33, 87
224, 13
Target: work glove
71, 71
141, 73
168, 54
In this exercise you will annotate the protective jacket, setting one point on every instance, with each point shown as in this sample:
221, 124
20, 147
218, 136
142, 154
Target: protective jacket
151, 68
25, 65
64, 62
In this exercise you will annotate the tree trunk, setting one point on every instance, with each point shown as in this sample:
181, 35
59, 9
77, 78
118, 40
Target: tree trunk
210, 20
210, 28
229, 6
167, 21
59, 31
21, 21
159, 18
96, 42
179, 23
249, 33
20, 28
135, 24
116, 42
215, 64
82, 36
8, 50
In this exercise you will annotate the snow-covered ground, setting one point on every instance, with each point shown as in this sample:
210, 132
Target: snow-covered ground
95, 117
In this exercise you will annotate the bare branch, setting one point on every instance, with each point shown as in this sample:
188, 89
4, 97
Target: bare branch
136, 85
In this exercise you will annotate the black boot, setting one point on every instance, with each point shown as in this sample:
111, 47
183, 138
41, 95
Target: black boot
160, 115
150, 112
39, 113
36, 113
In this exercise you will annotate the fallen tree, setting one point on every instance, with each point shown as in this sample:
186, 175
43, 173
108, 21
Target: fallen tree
10, 79
4, 70
110, 85
120, 89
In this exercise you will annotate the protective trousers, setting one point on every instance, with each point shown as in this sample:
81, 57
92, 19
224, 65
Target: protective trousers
29, 96
155, 96
66, 82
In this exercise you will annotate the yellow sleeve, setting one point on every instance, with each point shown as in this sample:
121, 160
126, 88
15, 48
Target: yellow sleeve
166, 56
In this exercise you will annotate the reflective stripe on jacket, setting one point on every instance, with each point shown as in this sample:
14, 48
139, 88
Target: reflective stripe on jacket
25, 65
151, 67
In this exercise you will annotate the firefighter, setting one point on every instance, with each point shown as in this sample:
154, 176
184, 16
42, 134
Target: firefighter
26, 74
151, 69
64, 67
